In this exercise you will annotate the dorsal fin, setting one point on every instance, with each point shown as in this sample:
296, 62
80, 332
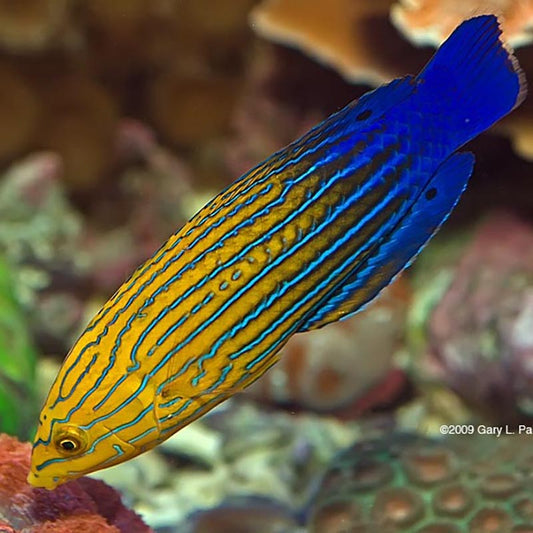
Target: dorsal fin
374, 103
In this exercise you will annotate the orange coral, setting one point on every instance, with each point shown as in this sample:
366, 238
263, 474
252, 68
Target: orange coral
353, 37
431, 21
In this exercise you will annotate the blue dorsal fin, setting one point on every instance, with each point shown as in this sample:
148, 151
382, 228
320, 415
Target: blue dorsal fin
352, 118
400, 246
373, 104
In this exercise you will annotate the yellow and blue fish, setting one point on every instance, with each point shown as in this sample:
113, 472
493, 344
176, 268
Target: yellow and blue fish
305, 238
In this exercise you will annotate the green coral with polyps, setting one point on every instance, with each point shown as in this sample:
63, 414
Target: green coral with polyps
409, 484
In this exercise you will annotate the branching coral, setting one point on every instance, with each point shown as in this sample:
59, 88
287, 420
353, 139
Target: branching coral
84, 506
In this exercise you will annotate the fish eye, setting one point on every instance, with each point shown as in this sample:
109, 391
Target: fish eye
70, 441
69, 445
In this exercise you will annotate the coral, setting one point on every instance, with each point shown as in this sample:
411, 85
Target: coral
85, 505
480, 331
80, 124
225, 16
406, 483
189, 110
432, 21
19, 113
40, 236
519, 124
335, 368
237, 450
29, 25
353, 37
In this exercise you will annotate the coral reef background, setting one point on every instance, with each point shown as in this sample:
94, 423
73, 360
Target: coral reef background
118, 120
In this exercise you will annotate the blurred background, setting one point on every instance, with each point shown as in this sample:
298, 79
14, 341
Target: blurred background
119, 119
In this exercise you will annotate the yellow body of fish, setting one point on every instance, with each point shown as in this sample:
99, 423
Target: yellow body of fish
178, 338
304, 239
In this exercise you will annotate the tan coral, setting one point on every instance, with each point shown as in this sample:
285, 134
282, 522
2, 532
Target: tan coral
80, 125
519, 127
19, 113
190, 110
31, 24
353, 37
431, 21
225, 16
119, 15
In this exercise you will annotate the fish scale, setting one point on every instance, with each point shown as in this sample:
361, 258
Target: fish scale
305, 238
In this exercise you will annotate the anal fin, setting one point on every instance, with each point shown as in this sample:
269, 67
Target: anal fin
400, 246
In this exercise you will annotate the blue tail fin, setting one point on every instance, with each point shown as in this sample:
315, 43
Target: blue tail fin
473, 78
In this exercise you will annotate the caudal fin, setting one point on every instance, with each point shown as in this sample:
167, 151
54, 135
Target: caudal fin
473, 77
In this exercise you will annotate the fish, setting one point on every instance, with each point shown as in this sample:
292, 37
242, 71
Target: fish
307, 237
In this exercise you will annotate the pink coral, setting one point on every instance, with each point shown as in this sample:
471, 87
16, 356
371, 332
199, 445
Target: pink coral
85, 505
480, 332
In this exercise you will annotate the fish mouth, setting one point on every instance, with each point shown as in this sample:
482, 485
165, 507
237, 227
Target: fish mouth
44, 482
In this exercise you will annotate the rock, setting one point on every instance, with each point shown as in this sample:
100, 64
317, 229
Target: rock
247, 515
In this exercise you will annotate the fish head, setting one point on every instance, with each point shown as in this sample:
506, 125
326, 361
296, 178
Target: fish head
79, 436
71, 444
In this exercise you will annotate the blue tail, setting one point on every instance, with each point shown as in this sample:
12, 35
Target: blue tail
473, 79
